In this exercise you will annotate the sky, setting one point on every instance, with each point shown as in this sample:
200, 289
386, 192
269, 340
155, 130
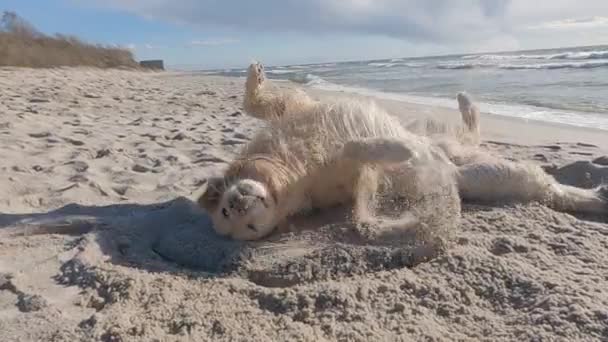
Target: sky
209, 34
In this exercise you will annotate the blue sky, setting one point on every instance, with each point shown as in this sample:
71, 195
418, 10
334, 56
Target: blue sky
231, 33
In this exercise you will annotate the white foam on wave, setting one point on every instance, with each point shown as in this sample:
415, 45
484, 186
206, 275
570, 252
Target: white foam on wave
297, 67
313, 80
326, 65
414, 65
582, 55
574, 55
462, 66
210, 72
220, 72
550, 66
382, 65
281, 71
493, 57
456, 66
396, 63
527, 112
309, 80
538, 66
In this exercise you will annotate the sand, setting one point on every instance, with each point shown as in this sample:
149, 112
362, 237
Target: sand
100, 238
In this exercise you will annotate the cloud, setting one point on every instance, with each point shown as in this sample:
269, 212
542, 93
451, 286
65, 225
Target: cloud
153, 47
540, 11
449, 25
213, 42
570, 24
436, 20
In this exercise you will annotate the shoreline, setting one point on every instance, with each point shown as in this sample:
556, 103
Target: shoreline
555, 130
552, 109
509, 129
494, 126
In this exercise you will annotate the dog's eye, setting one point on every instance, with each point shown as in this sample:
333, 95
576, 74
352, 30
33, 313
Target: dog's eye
252, 227
225, 212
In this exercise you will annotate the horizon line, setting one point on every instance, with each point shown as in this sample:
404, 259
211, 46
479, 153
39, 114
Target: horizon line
175, 66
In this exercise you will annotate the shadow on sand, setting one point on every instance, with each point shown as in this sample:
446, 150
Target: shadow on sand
177, 237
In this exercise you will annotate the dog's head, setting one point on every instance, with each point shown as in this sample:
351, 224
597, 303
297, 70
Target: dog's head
244, 209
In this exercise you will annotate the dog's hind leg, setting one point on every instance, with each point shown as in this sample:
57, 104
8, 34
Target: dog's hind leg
502, 181
258, 101
368, 208
378, 151
269, 104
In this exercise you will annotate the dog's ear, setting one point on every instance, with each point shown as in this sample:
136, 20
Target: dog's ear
210, 199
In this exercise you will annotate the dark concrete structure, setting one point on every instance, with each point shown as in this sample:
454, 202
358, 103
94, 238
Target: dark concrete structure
156, 64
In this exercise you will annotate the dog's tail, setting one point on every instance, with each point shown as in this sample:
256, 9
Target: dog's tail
470, 115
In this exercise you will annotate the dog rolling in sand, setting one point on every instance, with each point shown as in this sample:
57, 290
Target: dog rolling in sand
321, 154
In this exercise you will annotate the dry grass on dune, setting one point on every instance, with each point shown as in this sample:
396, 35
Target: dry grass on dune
23, 46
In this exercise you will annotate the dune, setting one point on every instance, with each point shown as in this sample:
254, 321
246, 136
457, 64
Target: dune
100, 238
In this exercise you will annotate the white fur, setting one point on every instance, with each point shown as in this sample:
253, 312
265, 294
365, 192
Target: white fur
318, 155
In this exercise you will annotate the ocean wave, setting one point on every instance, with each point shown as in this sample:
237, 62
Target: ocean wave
532, 111
491, 57
281, 71
505, 57
382, 65
539, 66
550, 66
293, 67
582, 55
308, 79
456, 66
210, 72
462, 66
223, 72
326, 65
394, 64
414, 65
574, 55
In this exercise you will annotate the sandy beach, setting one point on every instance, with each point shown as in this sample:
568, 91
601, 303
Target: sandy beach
100, 238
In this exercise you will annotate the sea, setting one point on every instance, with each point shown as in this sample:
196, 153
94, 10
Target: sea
565, 86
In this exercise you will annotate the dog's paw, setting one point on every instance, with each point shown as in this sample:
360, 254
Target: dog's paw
464, 100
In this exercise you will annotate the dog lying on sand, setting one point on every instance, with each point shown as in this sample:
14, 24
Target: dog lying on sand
316, 155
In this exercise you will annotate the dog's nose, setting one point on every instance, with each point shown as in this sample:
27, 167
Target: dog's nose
245, 189
239, 204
